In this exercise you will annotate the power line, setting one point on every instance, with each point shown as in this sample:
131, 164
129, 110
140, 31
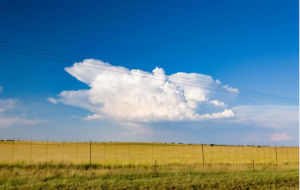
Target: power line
149, 77
175, 77
40, 49
217, 85
36, 52
285, 101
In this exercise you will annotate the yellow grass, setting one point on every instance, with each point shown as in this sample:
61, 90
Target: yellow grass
112, 153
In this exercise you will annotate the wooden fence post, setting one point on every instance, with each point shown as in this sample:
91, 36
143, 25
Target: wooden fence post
152, 151
293, 156
276, 154
193, 152
63, 150
129, 152
211, 155
202, 154
81, 168
236, 153
270, 153
47, 152
90, 152
121, 168
140, 156
251, 152
116, 150
31, 150
104, 151
182, 152
77, 152
13, 152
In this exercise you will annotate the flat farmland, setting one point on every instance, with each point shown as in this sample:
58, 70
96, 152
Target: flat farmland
135, 165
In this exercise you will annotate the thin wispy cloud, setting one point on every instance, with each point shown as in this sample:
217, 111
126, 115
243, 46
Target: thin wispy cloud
52, 100
11, 119
267, 116
9, 103
280, 137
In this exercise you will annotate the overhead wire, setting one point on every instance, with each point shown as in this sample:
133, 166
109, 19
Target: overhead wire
172, 76
207, 85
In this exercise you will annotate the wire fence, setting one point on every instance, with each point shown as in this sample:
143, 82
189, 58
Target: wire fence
115, 154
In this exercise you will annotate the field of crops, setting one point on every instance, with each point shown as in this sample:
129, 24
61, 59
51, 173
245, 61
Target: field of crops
114, 165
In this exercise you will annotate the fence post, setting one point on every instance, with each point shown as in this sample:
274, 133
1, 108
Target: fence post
116, 150
152, 151
63, 150
236, 153
253, 165
13, 152
282, 157
129, 152
155, 168
90, 152
211, 155
243, 154
173, 152
77, 152
228, 153
31, 151
121, 168
202, 154
270, 153
47, 152
264, 155
293, 156
182, 152
251, 153
220, 151
276, 154
194, 152
140, 156
257, 154
287, 156
104, 151
81, 168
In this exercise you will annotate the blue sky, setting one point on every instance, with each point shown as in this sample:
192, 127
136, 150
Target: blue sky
249, 45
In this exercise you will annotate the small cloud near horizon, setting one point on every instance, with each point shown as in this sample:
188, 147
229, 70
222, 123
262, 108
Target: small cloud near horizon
280, 137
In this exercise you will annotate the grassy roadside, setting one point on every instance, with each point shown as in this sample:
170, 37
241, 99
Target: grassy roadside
97, 178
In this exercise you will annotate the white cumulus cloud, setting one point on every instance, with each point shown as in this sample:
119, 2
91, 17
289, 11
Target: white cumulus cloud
218, 103
120, 94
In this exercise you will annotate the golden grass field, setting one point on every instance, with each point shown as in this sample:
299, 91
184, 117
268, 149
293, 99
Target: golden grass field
110, 153
111, 165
